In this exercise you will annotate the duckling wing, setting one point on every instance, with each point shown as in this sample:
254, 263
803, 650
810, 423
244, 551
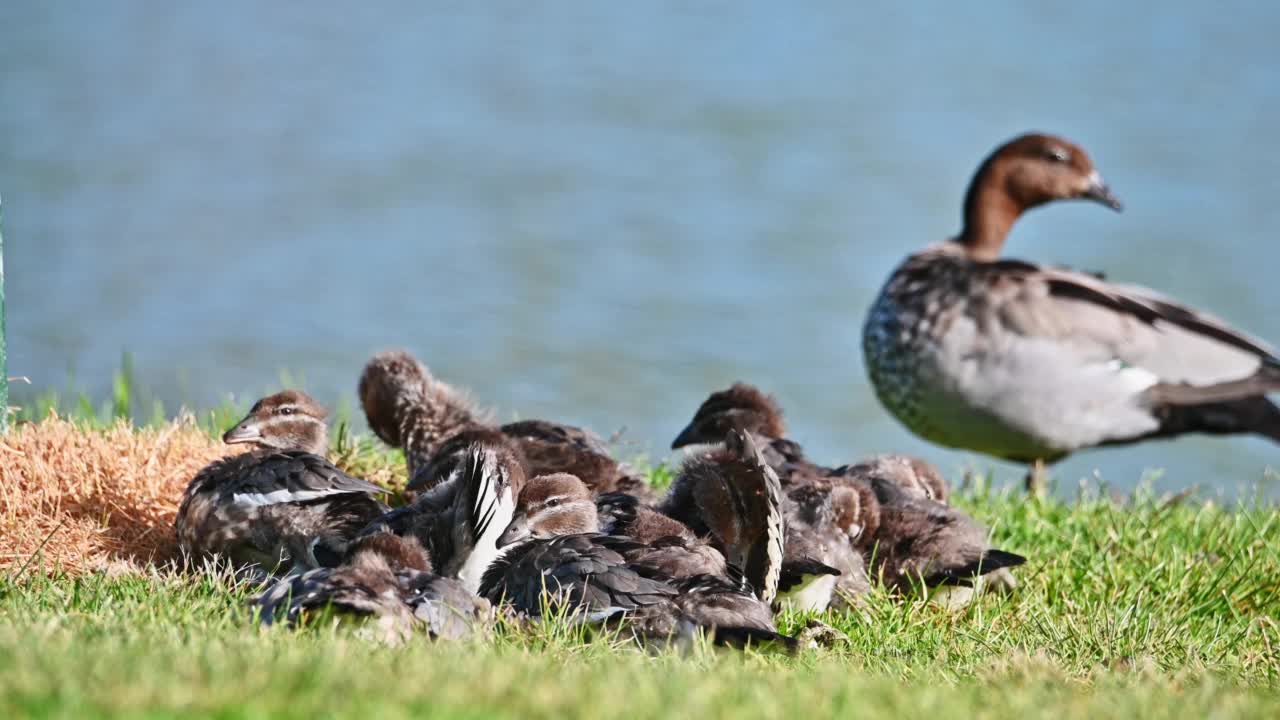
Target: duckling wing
287, 477
483, 507
556, 433
583, 572
346, 588
924, 539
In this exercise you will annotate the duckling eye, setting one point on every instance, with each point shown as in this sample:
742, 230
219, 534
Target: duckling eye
1058, 155
287, 410
553, 502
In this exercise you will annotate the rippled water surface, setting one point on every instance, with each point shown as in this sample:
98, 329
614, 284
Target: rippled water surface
600, 212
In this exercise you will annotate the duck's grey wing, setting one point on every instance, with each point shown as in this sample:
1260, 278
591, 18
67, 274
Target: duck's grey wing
1128, 325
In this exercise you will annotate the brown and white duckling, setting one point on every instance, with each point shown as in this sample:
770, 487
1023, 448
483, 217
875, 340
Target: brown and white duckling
461, 519
556, 548
407, 407
911, 540
281, 504
385, 576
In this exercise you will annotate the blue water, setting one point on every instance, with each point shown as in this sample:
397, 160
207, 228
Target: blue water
600, 212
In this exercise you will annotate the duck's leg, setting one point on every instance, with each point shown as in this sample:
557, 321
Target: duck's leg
1037, 480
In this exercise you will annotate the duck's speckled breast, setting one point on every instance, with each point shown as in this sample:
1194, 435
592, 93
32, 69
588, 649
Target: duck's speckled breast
902, 341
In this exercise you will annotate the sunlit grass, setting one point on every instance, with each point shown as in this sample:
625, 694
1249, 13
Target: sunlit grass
1146, 606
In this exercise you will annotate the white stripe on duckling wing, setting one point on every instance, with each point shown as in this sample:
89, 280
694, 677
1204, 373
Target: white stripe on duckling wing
283, 495
492, 507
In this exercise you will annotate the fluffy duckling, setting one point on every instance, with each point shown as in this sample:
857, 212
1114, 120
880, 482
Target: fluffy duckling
910, 539
915, 476
822, 564
387, 577
460, 520
282, 504
1031, 362
747, 408
731, 494
556, 548
407, 407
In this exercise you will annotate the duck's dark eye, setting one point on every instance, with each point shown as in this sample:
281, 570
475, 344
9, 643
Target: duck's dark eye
553, 502
1059, 155
288, 410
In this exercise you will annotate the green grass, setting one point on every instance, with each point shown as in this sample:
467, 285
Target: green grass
1137, 609
1145, 607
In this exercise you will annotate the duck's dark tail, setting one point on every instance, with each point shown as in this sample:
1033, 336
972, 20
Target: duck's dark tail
407, 408
1226, 408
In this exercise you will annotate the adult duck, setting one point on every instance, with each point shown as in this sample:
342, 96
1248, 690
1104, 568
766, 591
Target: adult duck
1030, 362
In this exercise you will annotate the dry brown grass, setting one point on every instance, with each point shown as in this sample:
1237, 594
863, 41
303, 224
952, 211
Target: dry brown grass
75, 499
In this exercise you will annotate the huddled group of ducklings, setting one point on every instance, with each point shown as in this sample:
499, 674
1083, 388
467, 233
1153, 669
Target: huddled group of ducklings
535, 515
1016, 360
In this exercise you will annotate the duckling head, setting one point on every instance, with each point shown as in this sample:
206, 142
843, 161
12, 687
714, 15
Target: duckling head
550, 506
740, 407
396, 552
288, 420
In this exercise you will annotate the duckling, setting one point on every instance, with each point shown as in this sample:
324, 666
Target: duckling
1031, 363
407, 407
732, 495
461, 519
385, 576
822, 564
282, 504
745, 407
556, 547
561, 504
817, 555
915, 476
910, 539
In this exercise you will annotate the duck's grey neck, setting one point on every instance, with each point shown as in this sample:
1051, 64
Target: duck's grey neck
989, 214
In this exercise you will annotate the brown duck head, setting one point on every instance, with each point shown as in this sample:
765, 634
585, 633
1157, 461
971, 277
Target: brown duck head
550, 506
1026, 172
288, 420
740, 407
